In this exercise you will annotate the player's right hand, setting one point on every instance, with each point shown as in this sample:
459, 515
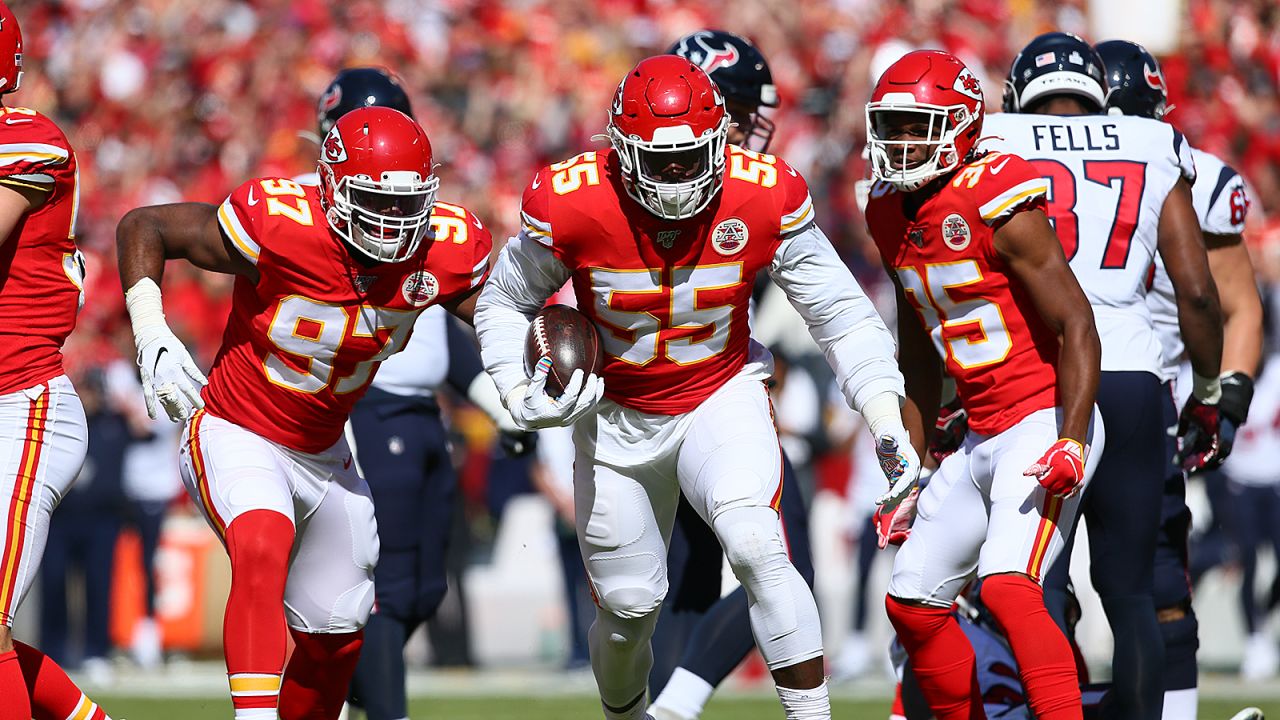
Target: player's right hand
893, 524
534, 409
901, 467
170, 378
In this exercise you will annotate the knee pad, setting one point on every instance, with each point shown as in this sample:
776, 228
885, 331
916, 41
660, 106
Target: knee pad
621, 633
752, 541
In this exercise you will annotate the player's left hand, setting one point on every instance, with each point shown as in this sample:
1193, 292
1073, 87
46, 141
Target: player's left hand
170, 377
893, 524
1199, 436
1061, 469
900, 464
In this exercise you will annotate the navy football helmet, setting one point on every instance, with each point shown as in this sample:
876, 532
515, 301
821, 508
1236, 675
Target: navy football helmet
1136, 81
1056, 63
356, 88
739, 69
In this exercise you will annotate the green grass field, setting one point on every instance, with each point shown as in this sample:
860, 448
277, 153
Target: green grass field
575, 708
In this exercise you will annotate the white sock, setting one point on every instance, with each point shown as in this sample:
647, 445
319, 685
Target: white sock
812, 704
256, 714
685, 695
1180, 704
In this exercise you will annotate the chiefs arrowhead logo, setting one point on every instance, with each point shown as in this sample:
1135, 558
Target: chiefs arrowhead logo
1154, 78
967, 84
332, 150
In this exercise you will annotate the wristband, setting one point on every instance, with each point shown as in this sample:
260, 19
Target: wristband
1237, 394
1208, 390
146, 310
883, 413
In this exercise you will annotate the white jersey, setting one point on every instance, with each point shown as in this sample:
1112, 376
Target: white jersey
1109, 177
1222, 201
1253, 458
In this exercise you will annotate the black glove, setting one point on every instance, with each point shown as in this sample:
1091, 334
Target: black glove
515, 443
1237, 394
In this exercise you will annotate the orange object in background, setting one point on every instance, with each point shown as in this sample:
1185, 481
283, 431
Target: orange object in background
191, 591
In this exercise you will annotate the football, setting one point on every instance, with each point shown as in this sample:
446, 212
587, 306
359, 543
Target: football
569, 339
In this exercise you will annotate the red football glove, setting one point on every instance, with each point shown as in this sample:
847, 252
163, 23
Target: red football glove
893, 525
1199, 437
1061, 469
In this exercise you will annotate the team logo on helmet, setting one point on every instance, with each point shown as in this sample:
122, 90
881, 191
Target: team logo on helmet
617, 99
331, 97
967, 84
420, 288
709, 57
955, 232
1154, 78
333, 151
729, 237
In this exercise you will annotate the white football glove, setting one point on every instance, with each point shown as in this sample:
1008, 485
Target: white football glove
533, 409
900, 464
169, 375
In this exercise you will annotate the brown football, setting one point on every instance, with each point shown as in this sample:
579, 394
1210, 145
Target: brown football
569, 339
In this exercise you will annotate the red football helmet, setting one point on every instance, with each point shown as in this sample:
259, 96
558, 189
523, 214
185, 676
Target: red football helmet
10, 51
377, 184
669, 126
931, 88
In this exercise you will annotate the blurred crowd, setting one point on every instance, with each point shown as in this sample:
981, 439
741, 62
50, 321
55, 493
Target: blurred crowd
168, 100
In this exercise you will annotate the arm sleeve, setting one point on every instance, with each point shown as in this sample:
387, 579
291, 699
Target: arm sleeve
522, 279
840, 316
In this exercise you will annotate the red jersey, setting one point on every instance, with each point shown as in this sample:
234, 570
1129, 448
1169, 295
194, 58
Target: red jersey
41, 277
669, 298
302, 345
994, 343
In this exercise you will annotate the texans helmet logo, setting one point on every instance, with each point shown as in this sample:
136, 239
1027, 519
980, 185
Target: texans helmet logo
711, 58
1154, 78
331, 97
333, 151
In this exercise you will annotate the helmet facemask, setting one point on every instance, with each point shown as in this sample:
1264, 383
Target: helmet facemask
384, 219
676, 175
891, 159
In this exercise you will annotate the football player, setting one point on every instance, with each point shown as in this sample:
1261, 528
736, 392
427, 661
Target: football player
700, 637
43, 432
401, 445
1221, 202
662, 236
981, 282
1119, 195
329, 281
